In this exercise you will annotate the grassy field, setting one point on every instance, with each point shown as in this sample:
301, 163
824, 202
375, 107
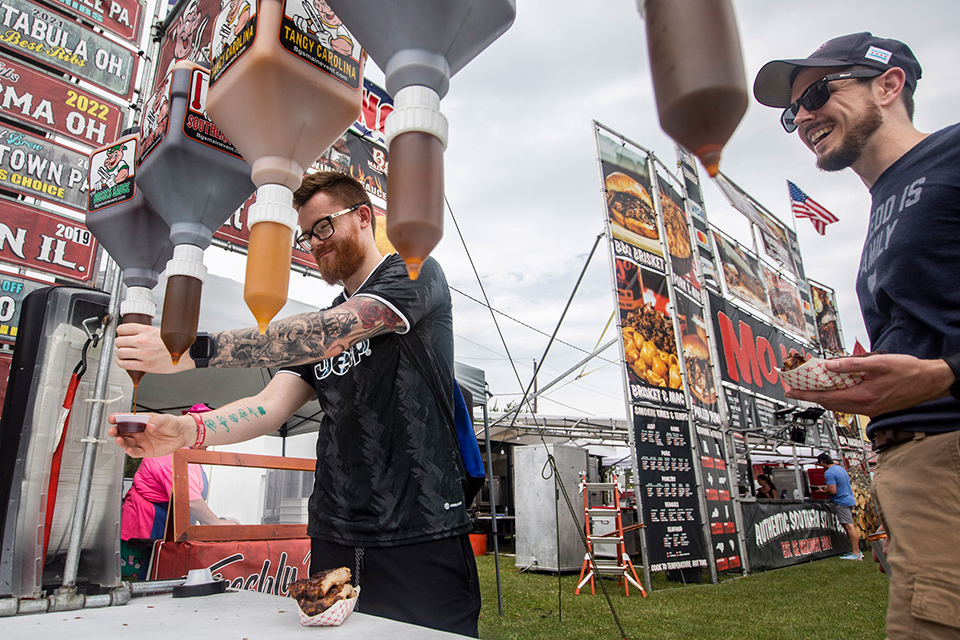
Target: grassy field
829, 599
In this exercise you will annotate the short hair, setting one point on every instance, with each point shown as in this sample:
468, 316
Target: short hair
825, 458
345, 191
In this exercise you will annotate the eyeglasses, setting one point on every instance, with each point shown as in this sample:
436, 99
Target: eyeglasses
817, 94
322, 228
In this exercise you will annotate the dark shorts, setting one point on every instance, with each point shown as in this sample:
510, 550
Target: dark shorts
431, 584
844, 514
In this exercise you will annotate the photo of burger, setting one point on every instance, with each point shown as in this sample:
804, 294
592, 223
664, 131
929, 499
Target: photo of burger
696, 359
629, 205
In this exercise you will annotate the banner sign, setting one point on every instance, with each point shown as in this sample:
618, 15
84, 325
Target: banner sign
46, 242
697, 361
360, 158
264, 566
786, 308
53, 39
750, 350
188, 36
121, 17
741, 273
376, 106
6, 359
719, 490
780, 535
827, 319
112, 173
42, 100
40, 168
667, 480
13, 289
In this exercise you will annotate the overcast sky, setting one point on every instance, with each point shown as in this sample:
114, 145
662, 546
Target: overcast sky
523, 181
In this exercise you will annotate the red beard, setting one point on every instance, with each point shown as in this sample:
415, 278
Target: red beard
345, 260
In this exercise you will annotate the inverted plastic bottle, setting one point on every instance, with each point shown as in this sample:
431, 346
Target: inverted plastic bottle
129, 228
282, 97
420, 45
698, 76
195, 179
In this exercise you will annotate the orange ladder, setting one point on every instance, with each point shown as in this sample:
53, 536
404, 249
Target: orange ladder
619, 566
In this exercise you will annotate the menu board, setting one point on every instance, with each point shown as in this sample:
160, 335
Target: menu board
719, 490
667, 481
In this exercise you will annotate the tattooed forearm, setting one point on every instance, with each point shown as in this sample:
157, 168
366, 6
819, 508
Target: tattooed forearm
306, 337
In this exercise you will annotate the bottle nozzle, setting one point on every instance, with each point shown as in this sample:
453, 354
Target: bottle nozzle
413, 267
262, 325
709, 156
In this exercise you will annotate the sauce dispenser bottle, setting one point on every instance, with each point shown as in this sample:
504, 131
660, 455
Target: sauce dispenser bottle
195, 179
420, 45
285, 83
129, 228
698, 76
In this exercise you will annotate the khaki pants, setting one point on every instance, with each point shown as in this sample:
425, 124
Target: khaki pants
917, 485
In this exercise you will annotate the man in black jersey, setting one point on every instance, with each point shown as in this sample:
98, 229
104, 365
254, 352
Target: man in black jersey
388, 500
851, 103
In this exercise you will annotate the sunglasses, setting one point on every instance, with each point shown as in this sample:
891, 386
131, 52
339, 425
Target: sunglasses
322, 228
817, 94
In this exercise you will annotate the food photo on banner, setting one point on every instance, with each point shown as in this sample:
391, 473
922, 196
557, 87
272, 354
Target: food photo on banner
677, 232
827, 318
786, 308
741, 273
697, 360
668, 485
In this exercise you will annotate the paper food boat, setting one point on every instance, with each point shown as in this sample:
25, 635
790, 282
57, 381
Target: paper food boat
333, 616
814, 376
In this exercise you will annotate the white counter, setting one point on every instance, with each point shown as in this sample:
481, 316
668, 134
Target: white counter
226, 616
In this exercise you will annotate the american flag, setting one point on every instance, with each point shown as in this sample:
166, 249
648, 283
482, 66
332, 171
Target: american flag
804, 206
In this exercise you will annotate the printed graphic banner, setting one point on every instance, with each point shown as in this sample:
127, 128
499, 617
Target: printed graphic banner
46, 242
667, 480
741, 273
13, 289
750, 350
827, 319
719, 490
40, 168
53, 39
780, 535
42, 100
122, 17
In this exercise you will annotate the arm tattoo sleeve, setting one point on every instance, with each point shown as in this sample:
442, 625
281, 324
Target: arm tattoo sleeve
306, 337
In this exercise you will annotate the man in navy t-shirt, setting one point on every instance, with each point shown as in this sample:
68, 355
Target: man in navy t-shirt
851, 103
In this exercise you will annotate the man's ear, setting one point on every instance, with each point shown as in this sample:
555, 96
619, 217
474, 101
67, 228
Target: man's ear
890, 85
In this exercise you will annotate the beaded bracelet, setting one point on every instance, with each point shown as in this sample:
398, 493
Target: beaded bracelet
201, 431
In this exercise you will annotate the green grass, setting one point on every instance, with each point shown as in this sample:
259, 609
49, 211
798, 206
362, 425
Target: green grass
829, 599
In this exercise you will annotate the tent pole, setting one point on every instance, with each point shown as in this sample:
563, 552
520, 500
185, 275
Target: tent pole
493, 506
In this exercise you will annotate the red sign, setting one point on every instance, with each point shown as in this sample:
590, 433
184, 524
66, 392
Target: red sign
44, 101
121, 17
265, 566
46, 242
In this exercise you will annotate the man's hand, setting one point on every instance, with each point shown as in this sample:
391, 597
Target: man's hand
164, 434
890, 382
139, 348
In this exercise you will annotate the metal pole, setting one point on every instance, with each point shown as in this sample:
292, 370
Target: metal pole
72, 562
493, 506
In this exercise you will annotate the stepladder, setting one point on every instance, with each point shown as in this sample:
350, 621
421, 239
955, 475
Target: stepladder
606, 552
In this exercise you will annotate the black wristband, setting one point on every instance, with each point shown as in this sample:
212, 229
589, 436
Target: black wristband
202, 350
953, 361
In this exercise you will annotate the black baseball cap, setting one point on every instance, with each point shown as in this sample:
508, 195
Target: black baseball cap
825, 458
773, 84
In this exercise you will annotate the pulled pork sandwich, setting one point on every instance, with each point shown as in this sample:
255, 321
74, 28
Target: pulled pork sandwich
792, 361
321, 591
630, 206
